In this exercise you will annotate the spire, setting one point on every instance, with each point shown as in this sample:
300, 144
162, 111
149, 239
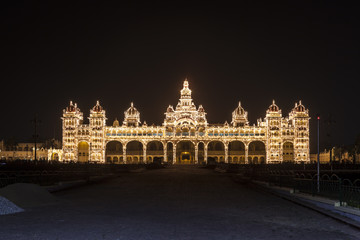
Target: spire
186, 83
185, 91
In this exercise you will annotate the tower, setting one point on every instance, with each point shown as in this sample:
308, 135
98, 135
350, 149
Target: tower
71, 119
97, 123
185, 119
299, 117
273, 121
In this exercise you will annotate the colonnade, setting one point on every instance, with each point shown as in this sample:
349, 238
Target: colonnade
223, 152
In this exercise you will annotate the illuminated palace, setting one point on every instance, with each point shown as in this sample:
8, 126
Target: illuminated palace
186, 137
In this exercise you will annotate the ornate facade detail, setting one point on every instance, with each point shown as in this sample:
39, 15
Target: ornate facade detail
186, 137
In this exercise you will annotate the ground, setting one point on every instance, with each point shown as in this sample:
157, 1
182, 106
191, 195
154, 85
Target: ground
173, 203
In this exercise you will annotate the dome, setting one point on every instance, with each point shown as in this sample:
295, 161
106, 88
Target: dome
72, 107
116, 123
132, 116
300, 107
239, 116
201, 109
273, 107
239, 110
131, 111
170, 109
97, 107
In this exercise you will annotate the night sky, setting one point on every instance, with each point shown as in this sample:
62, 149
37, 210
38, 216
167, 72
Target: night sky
54, 52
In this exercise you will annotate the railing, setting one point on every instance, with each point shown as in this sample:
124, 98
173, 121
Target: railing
339, 182
335, 188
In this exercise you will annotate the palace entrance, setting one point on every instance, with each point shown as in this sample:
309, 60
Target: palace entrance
185, 152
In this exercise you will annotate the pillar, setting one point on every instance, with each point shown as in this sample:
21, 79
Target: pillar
174, 153
196, 154
226, 153
165, 153
205, 153
144, 153
124, 153
246, 153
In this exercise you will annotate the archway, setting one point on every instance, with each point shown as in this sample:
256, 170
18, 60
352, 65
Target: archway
216, 150
185, 152
237, 152
83, 152
288, 152
55, 157
114, 152
155, 151
257, 151
134, 152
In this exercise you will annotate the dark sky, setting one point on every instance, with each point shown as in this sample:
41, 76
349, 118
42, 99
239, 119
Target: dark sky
53, 52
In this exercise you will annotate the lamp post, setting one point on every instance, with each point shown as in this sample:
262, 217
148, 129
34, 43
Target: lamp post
318, 153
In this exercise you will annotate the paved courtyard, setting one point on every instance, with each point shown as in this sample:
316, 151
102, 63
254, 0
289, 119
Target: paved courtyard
180, 202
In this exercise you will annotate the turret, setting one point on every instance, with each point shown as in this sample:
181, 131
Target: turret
132, 116
97, 123
299, 117
239, 117
71, 119
273, 122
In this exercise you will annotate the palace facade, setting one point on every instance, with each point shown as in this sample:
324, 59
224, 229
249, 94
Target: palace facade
186, 136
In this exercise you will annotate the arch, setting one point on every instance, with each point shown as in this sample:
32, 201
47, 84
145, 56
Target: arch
155, 149
55, 156
256, 150
113, 149
288, 152
236, 151
134, 150
83, 151
356, 183
216, 149
185, 152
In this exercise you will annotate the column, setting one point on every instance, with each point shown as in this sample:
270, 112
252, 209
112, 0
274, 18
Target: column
174, 153
165, 153
124, 153
226, 153
196, 154
144, 154
280, 152
246, 153
205, 153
